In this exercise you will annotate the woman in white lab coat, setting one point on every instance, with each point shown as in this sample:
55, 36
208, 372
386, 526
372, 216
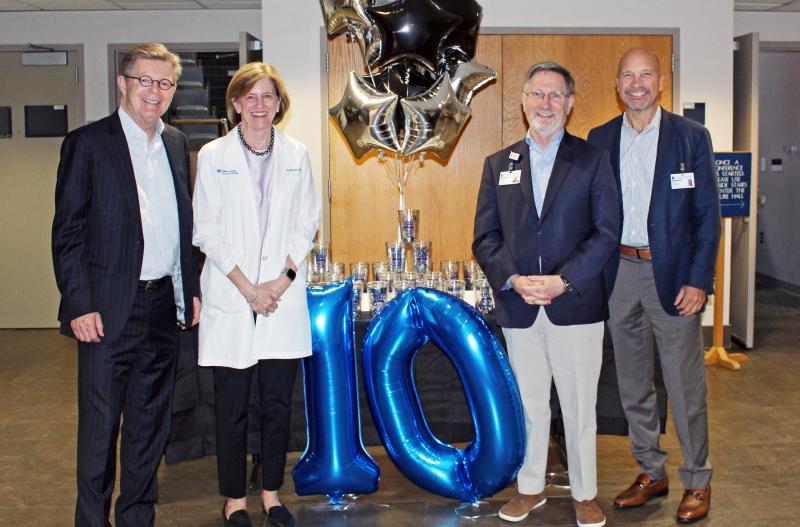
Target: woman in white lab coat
255, 216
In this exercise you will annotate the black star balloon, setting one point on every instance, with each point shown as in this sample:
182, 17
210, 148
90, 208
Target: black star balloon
345, 15
404, 78
365, 116
412, 28
470, 77
459, 45
434, 120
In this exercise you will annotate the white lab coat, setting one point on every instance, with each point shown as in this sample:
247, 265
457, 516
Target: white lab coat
226, 229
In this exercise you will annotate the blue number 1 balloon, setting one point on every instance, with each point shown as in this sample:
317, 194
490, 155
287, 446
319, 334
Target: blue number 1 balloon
334, 462
392, 340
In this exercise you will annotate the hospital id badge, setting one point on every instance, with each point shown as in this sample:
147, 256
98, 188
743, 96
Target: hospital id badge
510, 178
682, 180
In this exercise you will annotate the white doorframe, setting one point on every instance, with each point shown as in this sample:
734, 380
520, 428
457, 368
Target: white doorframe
744, 231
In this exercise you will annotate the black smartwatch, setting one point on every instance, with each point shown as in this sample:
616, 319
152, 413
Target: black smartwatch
568, 287
289, 272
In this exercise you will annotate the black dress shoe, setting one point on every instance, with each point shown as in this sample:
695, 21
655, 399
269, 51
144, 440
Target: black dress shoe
238, 518
278, 516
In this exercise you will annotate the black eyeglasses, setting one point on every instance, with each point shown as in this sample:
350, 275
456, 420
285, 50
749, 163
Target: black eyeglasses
146, 82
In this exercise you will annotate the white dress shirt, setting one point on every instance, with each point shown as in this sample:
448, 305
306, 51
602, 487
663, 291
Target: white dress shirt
157, 202
637, 166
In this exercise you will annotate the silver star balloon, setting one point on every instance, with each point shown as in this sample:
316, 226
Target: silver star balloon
345, 15
434, 120
369, 42
365, 116
470, 77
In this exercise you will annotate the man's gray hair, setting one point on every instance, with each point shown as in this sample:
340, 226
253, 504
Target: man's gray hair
151, 51
554, 67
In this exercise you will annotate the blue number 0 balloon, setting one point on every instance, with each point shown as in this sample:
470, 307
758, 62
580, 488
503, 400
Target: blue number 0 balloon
392, 340
334, 462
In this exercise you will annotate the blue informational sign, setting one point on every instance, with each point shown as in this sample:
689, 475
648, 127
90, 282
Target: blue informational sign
733, 176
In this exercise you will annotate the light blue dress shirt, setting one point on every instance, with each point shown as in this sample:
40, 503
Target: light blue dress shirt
637, 167
542, 161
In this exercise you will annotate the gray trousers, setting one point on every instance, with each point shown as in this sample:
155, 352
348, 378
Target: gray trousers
637, 316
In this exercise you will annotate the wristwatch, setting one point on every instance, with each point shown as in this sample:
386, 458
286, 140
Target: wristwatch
289, 272
568, 287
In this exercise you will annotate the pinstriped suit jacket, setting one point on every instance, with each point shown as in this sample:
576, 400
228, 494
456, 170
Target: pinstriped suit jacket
97, 238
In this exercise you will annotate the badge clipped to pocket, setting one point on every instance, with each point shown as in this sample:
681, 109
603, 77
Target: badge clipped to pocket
510, 177
682, 180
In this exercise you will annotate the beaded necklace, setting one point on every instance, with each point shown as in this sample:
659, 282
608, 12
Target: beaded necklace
258, 152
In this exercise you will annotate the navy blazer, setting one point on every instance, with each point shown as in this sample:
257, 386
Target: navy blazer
97, 238
683, 225
576, 235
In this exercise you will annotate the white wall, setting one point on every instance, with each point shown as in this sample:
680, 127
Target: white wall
96, 29
781, 27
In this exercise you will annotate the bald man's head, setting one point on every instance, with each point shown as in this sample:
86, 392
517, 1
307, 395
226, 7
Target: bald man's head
641, 53
639, 80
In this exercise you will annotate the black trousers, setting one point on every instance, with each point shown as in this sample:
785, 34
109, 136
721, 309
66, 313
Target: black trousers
133, 376
275, 381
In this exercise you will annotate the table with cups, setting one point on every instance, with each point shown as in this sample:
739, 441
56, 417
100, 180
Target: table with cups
408, 263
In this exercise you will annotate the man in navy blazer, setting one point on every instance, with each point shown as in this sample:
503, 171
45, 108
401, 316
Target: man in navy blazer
546, 225
127, 273
662, 272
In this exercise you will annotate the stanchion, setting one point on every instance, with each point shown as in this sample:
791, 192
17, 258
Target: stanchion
716, 354
558, 479
479, 509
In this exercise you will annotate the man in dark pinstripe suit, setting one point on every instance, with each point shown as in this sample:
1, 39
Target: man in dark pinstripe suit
128, 278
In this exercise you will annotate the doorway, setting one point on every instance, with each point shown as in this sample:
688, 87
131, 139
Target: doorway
777, 253
43, 102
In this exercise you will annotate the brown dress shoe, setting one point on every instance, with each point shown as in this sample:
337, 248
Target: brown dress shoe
694, 505
588, 513
643, 489
521, 505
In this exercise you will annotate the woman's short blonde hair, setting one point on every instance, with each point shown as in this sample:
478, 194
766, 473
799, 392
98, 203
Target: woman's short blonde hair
243, 81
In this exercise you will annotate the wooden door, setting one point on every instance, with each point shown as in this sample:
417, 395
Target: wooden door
364, 202
592, 60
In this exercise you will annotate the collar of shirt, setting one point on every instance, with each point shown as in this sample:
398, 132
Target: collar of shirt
133, 131
654, 123
551, 148
542, 161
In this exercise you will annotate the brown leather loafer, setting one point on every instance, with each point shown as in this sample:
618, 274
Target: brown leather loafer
694, 505
643, 489
521, 505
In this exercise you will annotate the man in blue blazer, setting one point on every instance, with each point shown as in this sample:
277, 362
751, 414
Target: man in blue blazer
127, 273
546, 225
661, 273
